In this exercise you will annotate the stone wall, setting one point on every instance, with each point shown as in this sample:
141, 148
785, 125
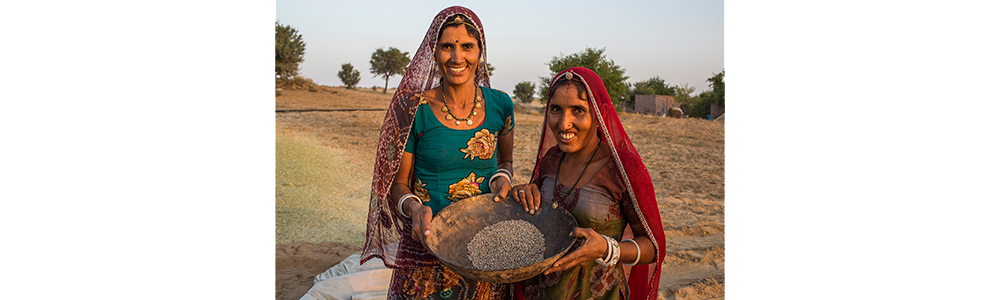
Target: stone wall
715, 110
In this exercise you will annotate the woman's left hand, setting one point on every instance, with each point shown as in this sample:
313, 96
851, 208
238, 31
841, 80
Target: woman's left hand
594, 247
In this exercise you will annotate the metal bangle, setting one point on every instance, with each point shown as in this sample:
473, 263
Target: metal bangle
495, 176
638, 252
402, 199
606, 260
617, 253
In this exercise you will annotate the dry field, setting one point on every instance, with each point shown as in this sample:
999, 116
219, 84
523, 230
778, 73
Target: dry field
324, 161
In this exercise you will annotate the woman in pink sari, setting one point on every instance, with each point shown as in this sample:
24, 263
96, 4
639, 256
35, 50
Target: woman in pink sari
447, 136
587, 164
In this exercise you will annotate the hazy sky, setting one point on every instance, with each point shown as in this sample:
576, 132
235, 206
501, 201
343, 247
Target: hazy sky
679, 41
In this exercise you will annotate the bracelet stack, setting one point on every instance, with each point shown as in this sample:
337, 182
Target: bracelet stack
637, 252
614, 253
500, 173
399, 205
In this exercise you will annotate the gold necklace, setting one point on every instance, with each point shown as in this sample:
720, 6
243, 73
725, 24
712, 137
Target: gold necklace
449, 116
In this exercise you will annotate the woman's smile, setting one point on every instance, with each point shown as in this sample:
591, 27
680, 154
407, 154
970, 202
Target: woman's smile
567, 137
457, 71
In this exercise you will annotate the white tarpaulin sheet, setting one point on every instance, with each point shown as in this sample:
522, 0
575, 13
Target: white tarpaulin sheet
350, 280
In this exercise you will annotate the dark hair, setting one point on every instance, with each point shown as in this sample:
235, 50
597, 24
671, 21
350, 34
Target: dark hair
471, 30
581, 90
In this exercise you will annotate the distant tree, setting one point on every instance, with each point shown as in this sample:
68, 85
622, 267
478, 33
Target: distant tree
683, 96
543, 89
718, 84
594, 59
524, 92
349, 76
651, 86
489, 69
654, 86
387, 63
289, 49
700, 106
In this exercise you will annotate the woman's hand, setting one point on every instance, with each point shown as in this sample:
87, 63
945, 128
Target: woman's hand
502, 186
528, 196
421, 216
594, 247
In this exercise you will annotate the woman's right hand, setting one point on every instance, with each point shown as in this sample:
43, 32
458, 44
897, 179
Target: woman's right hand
421, 216
594, 247
528, 196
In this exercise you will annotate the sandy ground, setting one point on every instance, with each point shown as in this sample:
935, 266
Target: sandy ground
323, 175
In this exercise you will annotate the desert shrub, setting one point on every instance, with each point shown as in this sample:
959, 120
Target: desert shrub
349, 76
298, 83
524, 91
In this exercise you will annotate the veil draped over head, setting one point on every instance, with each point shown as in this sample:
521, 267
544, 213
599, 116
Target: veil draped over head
643, 279
385, 225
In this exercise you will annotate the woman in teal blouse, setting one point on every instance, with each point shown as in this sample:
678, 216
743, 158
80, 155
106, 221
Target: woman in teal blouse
447, 136
451, 163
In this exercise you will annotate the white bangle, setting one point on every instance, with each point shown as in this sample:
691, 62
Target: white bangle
638, 252
614, 252
403, 199
510, 176
617, 253
499, 174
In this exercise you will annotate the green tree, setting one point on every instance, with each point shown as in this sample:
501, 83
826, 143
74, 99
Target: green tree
651, 86
718, 84
289, 49
524, 92
349, 76
387, 63
700, 106
683, 96
489, 69
594, 59
654, 86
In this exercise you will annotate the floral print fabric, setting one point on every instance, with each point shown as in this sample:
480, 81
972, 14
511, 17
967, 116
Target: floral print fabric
467, 187
439, 282
481, 146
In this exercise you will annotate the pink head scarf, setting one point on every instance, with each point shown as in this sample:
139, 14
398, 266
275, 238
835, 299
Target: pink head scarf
643, 279
385, 225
